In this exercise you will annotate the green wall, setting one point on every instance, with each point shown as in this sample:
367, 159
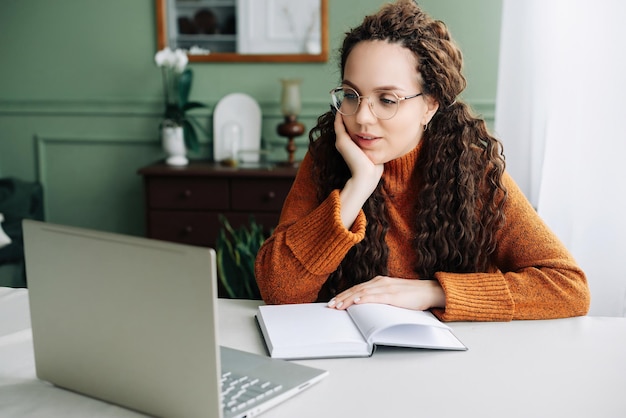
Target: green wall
81, 97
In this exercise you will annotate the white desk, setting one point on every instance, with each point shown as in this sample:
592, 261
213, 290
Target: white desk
560, 368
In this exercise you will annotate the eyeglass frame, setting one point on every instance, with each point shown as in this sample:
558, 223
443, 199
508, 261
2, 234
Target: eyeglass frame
371, 105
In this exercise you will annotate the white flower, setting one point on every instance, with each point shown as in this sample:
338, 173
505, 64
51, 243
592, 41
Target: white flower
180, 61
165, 57
173, 60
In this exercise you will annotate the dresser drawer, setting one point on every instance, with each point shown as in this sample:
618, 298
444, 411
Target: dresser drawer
187, 193
201, 228
183, 204
260, 194
194, 228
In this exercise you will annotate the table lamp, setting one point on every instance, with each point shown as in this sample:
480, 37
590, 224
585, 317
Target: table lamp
290, 107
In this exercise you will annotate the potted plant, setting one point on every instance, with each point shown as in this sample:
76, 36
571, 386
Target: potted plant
177, 81
236, 253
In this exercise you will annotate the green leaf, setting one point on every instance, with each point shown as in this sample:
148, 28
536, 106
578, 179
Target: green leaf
191, 139
226, 224
184, 86
174, 113
237, 250
193, 105
197, 125
224, 251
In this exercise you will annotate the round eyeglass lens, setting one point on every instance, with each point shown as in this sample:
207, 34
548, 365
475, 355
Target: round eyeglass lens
383, 104
346, 101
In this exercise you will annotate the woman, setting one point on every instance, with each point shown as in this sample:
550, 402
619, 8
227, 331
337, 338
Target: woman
403, 198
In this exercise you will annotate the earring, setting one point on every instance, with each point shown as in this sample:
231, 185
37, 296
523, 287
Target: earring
426, 126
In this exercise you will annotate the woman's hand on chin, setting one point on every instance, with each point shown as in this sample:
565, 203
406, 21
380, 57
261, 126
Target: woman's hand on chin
363, 170
365, 174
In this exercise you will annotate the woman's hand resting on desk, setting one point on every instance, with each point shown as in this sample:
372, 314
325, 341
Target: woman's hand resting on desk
404, 293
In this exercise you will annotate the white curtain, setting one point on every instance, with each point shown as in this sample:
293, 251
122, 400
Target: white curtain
560, 113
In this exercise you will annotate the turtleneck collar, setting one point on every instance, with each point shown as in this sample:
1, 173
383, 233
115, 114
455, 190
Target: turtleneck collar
398, 172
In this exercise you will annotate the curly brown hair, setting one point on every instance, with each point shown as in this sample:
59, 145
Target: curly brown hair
459, 207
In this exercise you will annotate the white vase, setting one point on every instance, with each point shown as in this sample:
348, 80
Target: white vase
174, 144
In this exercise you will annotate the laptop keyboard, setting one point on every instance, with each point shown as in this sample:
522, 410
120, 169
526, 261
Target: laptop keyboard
240, 392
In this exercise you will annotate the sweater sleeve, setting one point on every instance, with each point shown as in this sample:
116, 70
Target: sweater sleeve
308, 244
535, 276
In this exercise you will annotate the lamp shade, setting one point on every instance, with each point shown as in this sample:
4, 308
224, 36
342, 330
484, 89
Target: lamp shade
290, 98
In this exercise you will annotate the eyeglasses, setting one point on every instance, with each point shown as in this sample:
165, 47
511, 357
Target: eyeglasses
384, 104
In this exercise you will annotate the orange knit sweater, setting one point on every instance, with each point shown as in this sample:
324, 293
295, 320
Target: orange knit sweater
533, 276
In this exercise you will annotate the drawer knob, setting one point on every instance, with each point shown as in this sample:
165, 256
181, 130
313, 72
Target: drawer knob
271, 195
187, 230
187, 193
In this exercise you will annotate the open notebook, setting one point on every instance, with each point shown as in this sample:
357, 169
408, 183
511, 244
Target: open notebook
133, 321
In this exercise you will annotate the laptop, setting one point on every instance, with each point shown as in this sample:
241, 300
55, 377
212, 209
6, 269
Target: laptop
133, 321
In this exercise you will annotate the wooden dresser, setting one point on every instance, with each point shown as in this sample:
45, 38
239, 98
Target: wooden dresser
182, 204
